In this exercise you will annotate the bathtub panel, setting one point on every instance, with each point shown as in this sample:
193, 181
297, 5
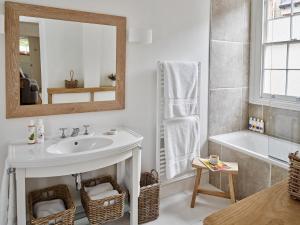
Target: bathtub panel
278, 174
214, 177
253, 176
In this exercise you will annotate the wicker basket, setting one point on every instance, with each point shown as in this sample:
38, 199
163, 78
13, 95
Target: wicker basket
294, 180
71, 83
56, 192
149, 197
101, 211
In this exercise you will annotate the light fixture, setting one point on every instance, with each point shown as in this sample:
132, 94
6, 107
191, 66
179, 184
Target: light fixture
140, 36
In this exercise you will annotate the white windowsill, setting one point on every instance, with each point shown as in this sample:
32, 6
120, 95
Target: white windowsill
276, 103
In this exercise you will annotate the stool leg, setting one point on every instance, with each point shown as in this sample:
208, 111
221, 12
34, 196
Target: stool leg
197, 182
231, 188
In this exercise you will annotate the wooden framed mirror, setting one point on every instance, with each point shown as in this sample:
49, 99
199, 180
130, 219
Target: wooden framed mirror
61, 61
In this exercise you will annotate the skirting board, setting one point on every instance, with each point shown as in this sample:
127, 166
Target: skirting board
183, 184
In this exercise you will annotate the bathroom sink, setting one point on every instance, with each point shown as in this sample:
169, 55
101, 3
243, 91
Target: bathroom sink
75, 145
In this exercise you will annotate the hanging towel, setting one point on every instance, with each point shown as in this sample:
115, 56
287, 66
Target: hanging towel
182, 144
181, 89
8, 211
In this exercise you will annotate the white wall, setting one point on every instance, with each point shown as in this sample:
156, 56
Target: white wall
180, 32
60, 39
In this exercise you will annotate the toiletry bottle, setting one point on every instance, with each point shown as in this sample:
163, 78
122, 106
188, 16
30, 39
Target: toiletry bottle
31, 132
258, 125
40, 131
250, 123
262, 130
254, 124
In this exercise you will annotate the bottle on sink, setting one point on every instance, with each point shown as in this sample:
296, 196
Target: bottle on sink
31, 132
40, 131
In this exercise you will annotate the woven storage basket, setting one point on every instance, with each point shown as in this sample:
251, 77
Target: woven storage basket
102, 211
55, 192
294, 180
149, 197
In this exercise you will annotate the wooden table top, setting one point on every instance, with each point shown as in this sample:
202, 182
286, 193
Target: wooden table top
272, 206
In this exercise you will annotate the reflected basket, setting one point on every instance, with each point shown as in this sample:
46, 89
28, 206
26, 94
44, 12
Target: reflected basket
294, 178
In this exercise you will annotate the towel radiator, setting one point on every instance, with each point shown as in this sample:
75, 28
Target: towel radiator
160, 147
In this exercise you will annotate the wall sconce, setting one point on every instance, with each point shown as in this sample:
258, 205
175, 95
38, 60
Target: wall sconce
1, 24
140, 36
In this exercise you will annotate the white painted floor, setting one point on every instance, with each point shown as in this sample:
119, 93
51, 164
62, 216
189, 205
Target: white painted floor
175, 210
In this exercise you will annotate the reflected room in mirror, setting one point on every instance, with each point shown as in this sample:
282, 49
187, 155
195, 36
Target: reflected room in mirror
66, 61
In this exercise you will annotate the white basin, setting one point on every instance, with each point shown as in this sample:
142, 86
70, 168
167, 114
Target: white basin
75, 145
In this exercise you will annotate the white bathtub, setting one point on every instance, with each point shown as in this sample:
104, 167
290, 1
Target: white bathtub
266, 148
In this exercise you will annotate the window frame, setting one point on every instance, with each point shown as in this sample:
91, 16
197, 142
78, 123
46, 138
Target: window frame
256, 95
22, 52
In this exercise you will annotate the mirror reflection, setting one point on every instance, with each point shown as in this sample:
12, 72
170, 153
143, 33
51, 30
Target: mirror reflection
66, 61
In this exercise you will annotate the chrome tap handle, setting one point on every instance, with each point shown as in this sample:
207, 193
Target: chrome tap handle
63, 135
75, 132
86, 132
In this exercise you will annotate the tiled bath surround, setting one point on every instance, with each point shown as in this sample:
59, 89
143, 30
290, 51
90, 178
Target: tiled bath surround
229, 108
280, 123
229, 66
229, 69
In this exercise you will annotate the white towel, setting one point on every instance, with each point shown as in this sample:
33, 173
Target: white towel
99, 188
8, 211
105, 195
46, 208
180, 89
182, 144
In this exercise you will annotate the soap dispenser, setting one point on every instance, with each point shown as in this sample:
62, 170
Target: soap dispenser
40, 131
31, 132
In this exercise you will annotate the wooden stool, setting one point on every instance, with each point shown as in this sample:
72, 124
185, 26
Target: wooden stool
232, 171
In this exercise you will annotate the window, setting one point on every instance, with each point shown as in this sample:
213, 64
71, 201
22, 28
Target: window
281, 67
275, 53
24, 46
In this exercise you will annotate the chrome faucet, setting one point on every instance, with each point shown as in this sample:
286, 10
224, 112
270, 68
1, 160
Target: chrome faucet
86, 131
63, 135
75, 132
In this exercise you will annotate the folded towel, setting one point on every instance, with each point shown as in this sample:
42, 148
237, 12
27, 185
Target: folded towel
182, 144
181, 89
105, 195
46, 208
104, 187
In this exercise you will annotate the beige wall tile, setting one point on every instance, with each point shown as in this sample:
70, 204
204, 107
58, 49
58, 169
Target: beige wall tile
230, 20
224, 111
227, 66
256, 111
282, 123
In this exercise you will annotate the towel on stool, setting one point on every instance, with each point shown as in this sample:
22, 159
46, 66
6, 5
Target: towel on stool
99, 188
47, 208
